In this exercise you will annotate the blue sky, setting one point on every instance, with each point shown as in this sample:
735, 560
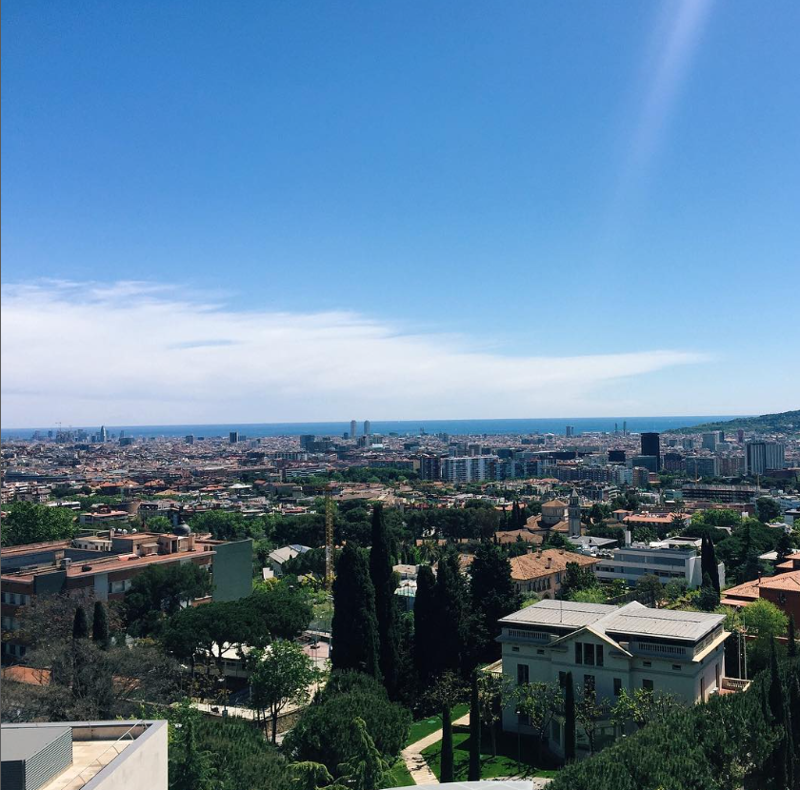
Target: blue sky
510, 186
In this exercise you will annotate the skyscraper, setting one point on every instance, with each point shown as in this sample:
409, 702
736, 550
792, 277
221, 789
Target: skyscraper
762, 456
233, 437
353, 429
570, 431
651, 445
103, 434
367, 428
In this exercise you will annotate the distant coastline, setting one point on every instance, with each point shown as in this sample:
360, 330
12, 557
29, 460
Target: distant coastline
402, 427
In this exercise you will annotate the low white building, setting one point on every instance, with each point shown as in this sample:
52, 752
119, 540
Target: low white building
675, 558
610, 648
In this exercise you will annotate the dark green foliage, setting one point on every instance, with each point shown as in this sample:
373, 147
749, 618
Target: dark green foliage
80, 625
709, 597
27, 522
448, 643
159, 591
355, 627
767, 509
100, 634
785, 546
425, 625
225, 525
766, 423
446, 764
383, 580
708, 562
474, 731
649, 590
324, 732
791, 642
577, 578
493, 596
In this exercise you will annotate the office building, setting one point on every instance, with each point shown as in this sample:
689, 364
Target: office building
608, 649
570, 431
189, 438
673, 462
760, 457
651, 445
101, 755
720, 493
710, 441
649, 462
353, 429
699, 466
307, 442
233, 437
616, 456
740, 436
430, 467
367, 427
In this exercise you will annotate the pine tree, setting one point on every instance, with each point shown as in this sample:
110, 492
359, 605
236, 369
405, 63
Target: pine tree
383, 580
80, 625
354, 628
493, 595
474, 732
708, 562
425, 625
791, 641
100, 633
569, 718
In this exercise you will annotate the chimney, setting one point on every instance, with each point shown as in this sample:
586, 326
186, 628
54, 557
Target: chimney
549, 561
627, 537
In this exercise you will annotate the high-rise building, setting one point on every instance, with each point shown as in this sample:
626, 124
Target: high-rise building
616, 456
353, 429
710, 441
307, 441
189, 439
740, 436
367, 428
430, 467
233, 437
698, 466
103, 434
651, 445
762, 456
469, 469
570, 431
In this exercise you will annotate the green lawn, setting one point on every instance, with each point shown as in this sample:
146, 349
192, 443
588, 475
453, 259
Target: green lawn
398, 776
423, 727
504, 765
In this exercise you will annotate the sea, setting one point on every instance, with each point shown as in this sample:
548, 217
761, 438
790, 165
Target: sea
401, 427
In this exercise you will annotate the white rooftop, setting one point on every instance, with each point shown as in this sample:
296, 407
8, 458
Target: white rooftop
632, 619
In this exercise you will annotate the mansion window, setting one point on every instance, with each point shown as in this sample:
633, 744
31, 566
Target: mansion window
589, 654
522, 674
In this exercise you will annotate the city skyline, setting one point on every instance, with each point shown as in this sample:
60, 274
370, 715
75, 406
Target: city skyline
407, 213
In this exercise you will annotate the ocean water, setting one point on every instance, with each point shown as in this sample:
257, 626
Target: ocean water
402, 427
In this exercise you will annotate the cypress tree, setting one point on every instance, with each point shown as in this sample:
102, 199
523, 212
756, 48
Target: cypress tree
446, 763
100, 633
448, 643
709, 597
474, 732
493, 595
354, 627
80, 625
569, 718
383, 580
782, 754
791, 641
425, 625
708, 562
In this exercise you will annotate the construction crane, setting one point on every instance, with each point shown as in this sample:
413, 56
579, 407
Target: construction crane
328, 541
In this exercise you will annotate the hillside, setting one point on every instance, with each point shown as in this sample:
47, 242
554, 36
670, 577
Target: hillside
784, 422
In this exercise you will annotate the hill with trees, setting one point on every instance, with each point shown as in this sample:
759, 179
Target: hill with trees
783, 422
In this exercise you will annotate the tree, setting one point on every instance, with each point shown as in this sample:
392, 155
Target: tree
80, 625
160, 591
28, 522
649, 589
310, 776
767, 509
448, 643
776, 700
784, 546
708, 563
577, 578
447, 692
100, 631
354, 626
222, 524
569, 718
281, 674
474, 774
493, 594
674, 589
158, 524
643, 707
708, 599
538, 703
191, 767
592, 595
791, 644
366, 768
425, 625
767, 622
589, 712
383, 580
490, 696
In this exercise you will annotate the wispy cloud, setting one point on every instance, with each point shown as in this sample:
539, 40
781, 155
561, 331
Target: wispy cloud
130, 354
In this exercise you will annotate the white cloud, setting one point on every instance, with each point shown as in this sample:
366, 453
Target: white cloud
139, 353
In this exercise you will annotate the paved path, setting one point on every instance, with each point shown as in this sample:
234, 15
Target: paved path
415, 761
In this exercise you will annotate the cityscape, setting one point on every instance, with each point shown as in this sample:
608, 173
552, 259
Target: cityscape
400, 395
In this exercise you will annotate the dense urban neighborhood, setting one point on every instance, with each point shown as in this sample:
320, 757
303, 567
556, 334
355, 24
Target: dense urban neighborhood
373, 611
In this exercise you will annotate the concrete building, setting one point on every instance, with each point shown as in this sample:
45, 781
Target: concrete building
674, 558
233, 437
759, 457
469, 469
699, 466
367, 428
608, 649
710, 441
96, 755
353, 429
106, 572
